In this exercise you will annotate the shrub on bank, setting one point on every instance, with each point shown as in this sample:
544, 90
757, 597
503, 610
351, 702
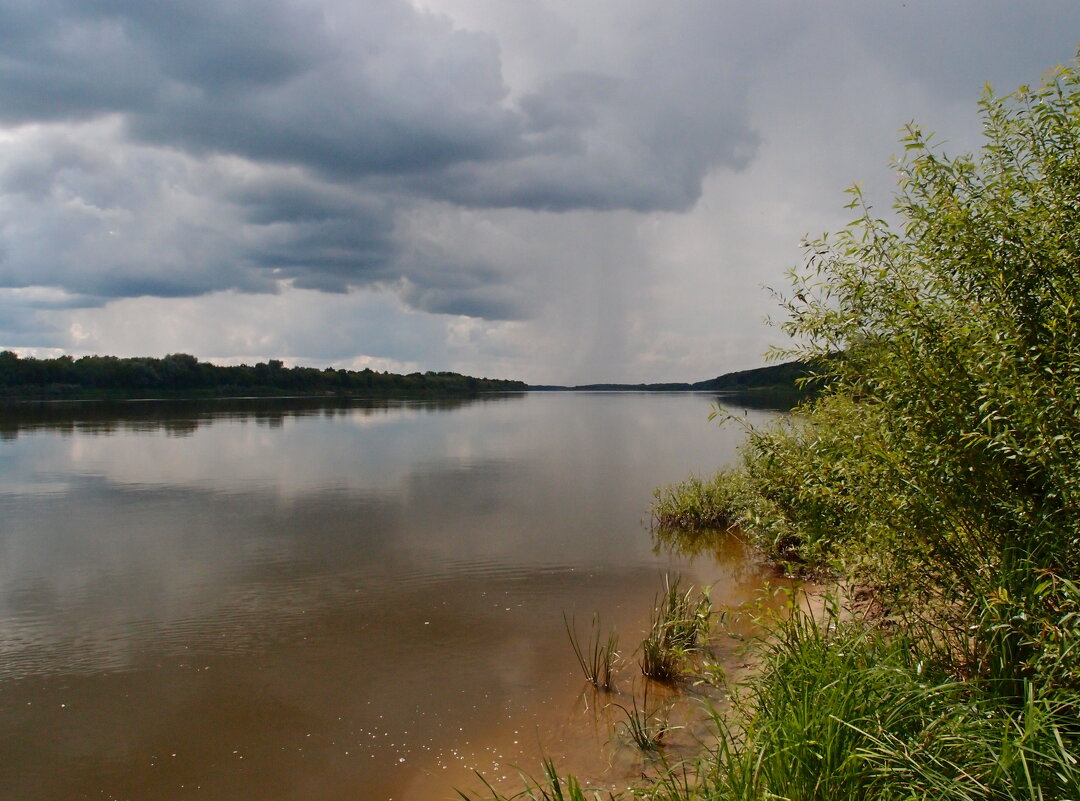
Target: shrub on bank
940, 466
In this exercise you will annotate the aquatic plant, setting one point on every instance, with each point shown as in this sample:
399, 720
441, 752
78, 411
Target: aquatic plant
659, 661
643, 728
679, 624
599, 658
699, 503
551, 788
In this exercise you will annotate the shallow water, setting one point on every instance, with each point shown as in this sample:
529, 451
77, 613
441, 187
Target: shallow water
322, 600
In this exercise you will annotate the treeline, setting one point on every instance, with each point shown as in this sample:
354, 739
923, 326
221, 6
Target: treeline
786, 377
183, 375
778, 386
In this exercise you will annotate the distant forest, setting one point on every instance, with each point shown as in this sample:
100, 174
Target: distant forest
181, 375
776, 378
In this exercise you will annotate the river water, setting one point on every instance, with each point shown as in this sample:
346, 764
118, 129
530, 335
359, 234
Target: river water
270, 600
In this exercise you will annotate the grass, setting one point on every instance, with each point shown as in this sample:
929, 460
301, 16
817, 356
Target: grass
690, 513
679, 625
642, 727
842, 710
599, 658
551, 788
660, 662
698, 504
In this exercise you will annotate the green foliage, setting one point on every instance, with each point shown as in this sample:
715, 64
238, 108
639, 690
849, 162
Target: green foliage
940, 466
940, 462
960, 369
680, 623
845, 711
183, 375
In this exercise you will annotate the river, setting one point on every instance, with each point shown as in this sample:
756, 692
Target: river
326, 600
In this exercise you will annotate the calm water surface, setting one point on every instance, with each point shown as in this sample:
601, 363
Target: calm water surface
274, 600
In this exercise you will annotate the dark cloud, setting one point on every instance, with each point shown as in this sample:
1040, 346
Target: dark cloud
336, 117
270, 81
474, 290
329, 255
350, 92
182, 147
293, 198
60, 65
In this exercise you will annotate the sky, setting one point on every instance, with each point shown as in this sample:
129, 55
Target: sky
555, 191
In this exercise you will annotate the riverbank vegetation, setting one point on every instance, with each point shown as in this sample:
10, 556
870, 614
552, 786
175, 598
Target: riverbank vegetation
939, 473
936, 478
180, 375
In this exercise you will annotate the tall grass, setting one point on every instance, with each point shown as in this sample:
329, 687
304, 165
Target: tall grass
679, 624
659, 661
841, 710
700, 503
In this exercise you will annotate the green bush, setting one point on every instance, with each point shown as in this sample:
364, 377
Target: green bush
941, 465
960, 343
940, 462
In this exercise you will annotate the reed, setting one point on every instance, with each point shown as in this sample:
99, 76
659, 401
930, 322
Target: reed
659, 661
679, 624
599, 657
683, 619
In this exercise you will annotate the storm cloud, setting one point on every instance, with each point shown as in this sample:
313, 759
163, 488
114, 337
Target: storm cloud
597, 186
180, 148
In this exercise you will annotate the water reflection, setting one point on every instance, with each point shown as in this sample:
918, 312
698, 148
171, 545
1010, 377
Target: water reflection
182, 417
350, 601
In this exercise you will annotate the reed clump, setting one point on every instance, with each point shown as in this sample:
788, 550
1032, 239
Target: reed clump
679, 625
700, 503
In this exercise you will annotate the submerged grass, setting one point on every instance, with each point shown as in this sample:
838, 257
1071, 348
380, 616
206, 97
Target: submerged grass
552, 787
643, 728
599, 658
